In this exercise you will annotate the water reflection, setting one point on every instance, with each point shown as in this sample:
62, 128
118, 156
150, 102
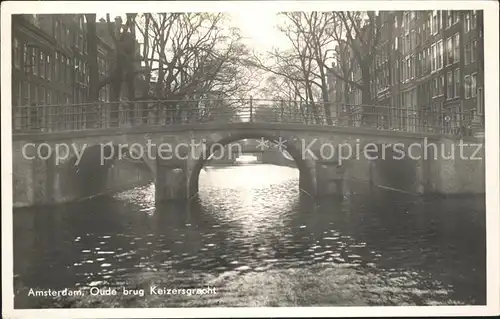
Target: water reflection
252, 220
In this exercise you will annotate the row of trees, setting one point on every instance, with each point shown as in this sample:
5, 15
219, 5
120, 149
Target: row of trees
318, 40
191, 54
182, 56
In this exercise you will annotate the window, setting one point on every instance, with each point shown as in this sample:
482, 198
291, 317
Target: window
456, 16
418, 65
84, 73
467, 86
395, 22
407, 43
62, 68
413, 40
440, 53
456, 43
441, 85
473, 20
435, 87
34, 94
434, 23
49, 68
433, 59
68, 69
450, 19
16, 94
26, 61
473, 51
56, 66
62, 36
467, 22
26, 93
41, 98
36, 19
424, 62
68, 38
50, 98
480, 105
449, 86
34, 61
56, 29
428, 59
424, 31
467, 52
449, 50
403, 70
410, 68
457, 82
16, 54
81, 71
473, 83
87, 74
42, 65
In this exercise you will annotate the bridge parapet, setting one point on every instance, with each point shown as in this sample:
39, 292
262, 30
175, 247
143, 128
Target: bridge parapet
159, 113
295, 137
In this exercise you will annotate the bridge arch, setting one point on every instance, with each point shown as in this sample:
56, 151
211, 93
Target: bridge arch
90, 175
304, 165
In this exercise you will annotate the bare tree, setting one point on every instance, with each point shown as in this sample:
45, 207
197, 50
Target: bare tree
191, 56
361, 33
289, 96
93, 93
315, 28
306, 63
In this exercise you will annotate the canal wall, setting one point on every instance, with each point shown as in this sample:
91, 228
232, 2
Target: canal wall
457, 170
39, 182
445, 170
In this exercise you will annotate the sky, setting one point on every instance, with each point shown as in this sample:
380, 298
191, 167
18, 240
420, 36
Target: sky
258, 27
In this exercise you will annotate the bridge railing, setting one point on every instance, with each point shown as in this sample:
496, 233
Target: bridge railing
91, 116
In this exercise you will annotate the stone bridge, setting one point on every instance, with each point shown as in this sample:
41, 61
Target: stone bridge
173, 155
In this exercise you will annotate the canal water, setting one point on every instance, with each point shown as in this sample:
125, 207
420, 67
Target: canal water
259, 242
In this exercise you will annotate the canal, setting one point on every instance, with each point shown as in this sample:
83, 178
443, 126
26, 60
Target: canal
258, 242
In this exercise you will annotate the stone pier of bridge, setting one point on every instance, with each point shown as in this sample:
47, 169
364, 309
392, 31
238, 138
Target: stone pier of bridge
41, 181
176, 180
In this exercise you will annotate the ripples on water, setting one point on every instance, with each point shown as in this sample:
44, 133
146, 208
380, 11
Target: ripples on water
251, 224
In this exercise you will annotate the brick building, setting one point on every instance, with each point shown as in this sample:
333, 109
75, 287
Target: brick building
428, 68
50, 69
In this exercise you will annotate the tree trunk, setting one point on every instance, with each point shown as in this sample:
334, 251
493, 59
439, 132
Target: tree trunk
115, 93
93, 94
326, 104
130, 65
313, 107
369, 111
324, 93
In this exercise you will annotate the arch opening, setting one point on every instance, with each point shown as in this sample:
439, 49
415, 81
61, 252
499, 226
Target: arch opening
305, 177
93, 174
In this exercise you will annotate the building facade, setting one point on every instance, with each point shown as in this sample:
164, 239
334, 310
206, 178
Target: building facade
50, 68
428, 71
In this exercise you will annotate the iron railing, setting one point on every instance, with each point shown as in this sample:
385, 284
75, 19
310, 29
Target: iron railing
91, 116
